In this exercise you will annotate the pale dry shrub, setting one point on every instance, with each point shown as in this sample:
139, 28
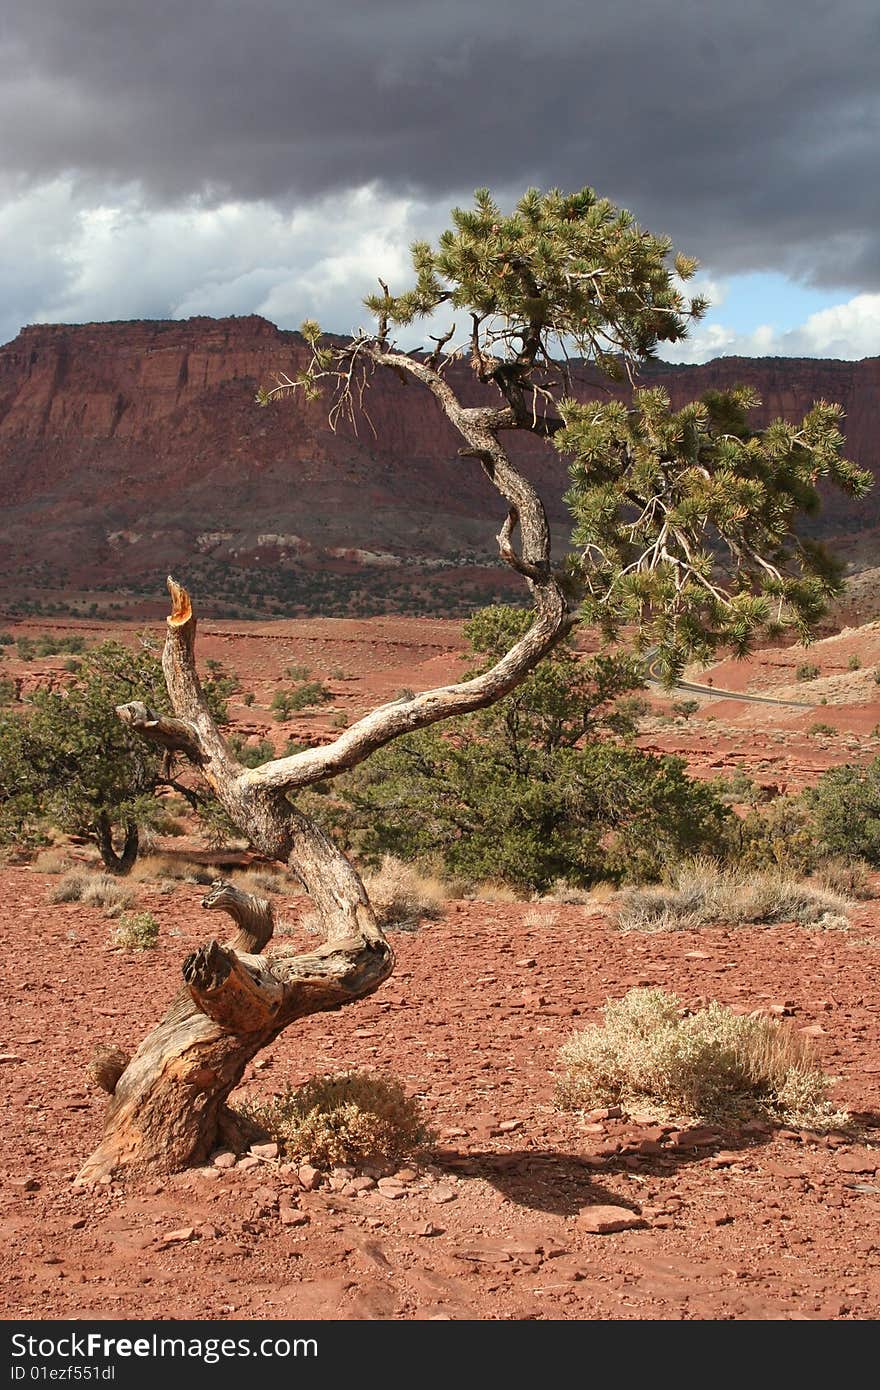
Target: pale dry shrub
137, 931
103, 890
712, 1064
261, 881
491, 892
540, 917
849, 878
51, 861
70, 888
702, 894
402, 896
157, 868
352, 1118
569, 895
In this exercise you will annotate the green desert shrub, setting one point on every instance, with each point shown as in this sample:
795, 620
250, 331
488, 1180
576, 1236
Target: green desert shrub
712, 1064
252, 754
704, 894
352, 1118
780, 836
539, 787
137, 931
807, 672
844, 807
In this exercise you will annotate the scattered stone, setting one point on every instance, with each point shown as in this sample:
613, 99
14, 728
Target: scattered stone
651, 1146
266, 1197
292, 1216
406, 1175
210, 1174
429, 1229
606, 1220
390, 1188
27, 1184
862, 1161
248, 1163
483, 1254
693, 1138
224, 1159
508, 1126
180, 1236
527, 963
309, 1177
570, 1268
443, 1193
725, 1158
77, 1223
362, 1183
264, 1151
720, 1218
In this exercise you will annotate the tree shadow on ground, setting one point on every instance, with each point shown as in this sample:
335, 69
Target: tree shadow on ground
561, 1183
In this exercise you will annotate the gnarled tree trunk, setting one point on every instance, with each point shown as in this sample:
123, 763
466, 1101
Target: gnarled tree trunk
168, 1103
123, 862
167, 1106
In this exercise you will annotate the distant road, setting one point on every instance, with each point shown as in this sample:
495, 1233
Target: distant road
689, 688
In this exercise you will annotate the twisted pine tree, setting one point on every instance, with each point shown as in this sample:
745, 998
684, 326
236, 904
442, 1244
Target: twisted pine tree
685, 533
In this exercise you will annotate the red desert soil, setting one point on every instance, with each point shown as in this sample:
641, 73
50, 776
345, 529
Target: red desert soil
754, 1224
748, 1225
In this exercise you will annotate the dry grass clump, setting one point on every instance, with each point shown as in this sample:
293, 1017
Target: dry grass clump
403, 897
850, 878
70, 888
540, 917
491, 892
568, 895
262, 881
51, 861
712, 1064
701, 894
103, 890
137, 931
158, 868
92, 890
352, 1118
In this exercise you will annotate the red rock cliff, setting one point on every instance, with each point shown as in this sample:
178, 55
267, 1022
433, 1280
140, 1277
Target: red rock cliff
130, 448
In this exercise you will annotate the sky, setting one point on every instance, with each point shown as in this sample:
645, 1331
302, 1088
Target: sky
224, 157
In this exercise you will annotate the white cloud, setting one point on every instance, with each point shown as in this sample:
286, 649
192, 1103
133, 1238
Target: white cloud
119, 259
68, 256
850, 330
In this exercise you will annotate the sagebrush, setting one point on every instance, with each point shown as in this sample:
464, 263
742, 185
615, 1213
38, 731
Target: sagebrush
712, 1064
351, 1118
703, 894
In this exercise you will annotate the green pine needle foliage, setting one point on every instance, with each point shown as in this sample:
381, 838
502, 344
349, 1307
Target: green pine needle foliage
685, 520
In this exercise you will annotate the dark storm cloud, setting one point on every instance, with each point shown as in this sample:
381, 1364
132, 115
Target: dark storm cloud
748, 131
